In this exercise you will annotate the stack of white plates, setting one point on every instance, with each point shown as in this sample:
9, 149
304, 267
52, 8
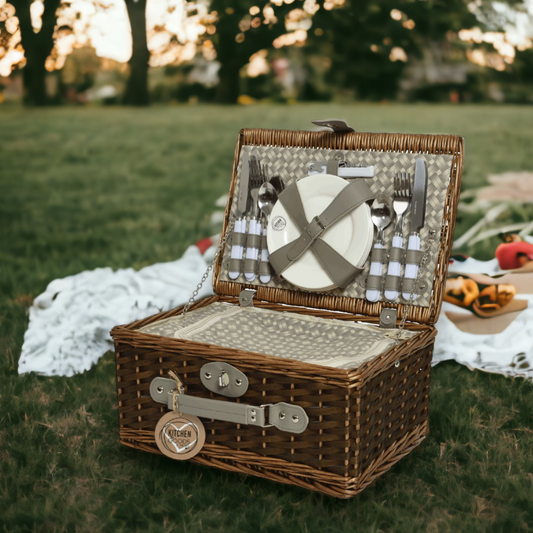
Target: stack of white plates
351, 236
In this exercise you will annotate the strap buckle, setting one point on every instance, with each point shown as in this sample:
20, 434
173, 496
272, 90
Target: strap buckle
267, 414
315, 228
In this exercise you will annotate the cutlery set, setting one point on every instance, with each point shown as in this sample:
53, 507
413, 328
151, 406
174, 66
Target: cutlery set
407, 196
258, 194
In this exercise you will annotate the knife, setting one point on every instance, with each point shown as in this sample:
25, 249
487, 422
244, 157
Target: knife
239, 231
418, 215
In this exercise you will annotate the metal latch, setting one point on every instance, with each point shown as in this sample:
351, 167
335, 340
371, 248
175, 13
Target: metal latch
224, 379
246, 297
387, 318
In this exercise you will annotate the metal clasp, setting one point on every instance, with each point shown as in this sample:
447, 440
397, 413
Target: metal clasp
267, 414
246, 297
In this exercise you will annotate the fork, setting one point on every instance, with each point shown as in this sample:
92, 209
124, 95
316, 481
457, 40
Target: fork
253, 241
401, 203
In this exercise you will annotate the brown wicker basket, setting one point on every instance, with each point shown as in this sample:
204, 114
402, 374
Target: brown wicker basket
361, 421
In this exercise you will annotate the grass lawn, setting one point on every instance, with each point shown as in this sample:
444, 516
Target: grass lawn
84, 188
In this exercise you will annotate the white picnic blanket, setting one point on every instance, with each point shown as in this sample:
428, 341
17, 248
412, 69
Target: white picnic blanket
509, 352
70, 322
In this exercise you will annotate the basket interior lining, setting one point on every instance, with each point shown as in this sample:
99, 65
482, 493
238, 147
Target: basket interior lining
308, 339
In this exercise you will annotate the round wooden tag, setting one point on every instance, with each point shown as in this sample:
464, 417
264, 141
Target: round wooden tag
179, 436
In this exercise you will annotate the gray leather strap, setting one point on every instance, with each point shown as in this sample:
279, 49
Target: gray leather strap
413, 257
253, 241
265, 268
339, 270
239, 413
234, 265
374, 283
238, 239
396, 254
284, 416
264, 243
408, 284
392, 283
250, 265
379, 255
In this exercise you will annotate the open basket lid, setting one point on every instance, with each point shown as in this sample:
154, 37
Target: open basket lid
288, 154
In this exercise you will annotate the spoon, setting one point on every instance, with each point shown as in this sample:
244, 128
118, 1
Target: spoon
381, 218
267, 197
278, 183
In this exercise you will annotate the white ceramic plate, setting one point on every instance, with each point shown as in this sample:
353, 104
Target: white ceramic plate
351, 236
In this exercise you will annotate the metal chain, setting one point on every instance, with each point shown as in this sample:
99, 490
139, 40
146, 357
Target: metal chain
411, 300
221, 245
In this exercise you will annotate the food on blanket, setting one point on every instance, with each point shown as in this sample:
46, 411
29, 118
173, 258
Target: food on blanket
514, 255
460, 291
484, 301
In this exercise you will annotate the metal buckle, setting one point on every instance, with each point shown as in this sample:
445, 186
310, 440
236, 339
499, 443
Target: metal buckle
315, 228
267, 414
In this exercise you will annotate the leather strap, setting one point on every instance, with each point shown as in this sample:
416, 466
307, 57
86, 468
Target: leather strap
408, 284
253, 241
396, 254
250, 265
338, 268
234, 265
238, 239
374, 283
392, 283
284, 416
264, 243
264, 268
413, 257
379, 255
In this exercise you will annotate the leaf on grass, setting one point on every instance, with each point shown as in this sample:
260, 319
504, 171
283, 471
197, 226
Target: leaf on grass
442, 449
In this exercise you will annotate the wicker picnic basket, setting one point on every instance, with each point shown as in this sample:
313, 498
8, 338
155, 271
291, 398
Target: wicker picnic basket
361, 420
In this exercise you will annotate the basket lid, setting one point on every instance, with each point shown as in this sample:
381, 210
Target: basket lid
289, 153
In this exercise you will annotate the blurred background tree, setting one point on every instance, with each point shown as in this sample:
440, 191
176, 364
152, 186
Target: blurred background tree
137, 87
279, 50
37, 42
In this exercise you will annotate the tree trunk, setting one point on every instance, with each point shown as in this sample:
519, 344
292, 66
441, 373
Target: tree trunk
137, 87
228, 89
37, 47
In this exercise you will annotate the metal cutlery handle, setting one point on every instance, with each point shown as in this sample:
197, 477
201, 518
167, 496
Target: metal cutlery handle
374, 280
411, 269
253, 242
265, 270
237, 248
392, 281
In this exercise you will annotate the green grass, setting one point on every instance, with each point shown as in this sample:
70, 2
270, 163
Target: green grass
84, 188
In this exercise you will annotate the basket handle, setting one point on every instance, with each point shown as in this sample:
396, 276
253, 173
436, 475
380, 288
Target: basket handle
284, 416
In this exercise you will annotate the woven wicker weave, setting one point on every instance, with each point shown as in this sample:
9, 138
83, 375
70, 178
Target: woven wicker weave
361, 421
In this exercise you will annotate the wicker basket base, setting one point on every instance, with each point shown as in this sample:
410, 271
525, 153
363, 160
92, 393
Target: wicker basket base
278, 470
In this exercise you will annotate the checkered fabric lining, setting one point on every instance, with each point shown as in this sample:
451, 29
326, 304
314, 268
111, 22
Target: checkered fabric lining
332, 343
